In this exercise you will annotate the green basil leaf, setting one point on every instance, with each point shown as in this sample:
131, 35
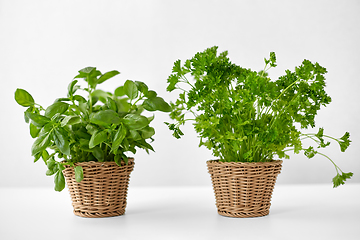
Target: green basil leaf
125, 158
84, 144
58, 107
118, 138
142, 87
79, 98
51, 164
122, 105
59, 181
62, 100
147, 132
60, 166
45, 155
101, 95
49, 172
85, 72
138, 110
92, 129
98, 154
125, 144
132, 149
156, 103
92, 78
119, 91
81, 132
151, 94
41, 143
23, 98
130, 89
79, 173
55, 117
135, 122
46, 128
94, 100
111, 104
97, 138
89, 74
34, 131
61, 141
37, 119
37, 157
135, 135
151, 118
70, 120
105, 117
107, 76
143, 144
117, 159
26, 118
71, 89
83, 108
74, 120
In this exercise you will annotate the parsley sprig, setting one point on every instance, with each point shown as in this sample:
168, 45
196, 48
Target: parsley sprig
243, 115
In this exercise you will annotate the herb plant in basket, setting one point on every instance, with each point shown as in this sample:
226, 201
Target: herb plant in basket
86, 140
248, 121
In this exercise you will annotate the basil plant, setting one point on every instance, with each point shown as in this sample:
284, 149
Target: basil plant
100, 127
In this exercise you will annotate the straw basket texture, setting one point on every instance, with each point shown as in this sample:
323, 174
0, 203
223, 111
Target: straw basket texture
102, 192
243, 189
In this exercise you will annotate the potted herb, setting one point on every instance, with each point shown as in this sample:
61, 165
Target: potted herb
86, 140
248, 121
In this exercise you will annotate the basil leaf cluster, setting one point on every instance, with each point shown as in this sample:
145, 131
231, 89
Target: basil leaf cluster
244, 116
102, 126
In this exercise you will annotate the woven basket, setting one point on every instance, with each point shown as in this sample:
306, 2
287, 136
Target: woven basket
102, 192
243, 189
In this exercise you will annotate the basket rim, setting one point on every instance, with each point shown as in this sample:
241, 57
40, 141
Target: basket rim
105, 164
217, 162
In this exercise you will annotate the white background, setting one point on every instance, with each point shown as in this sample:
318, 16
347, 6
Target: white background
44, 43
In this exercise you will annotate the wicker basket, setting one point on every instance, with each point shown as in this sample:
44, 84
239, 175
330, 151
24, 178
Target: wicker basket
243, 189
102, 192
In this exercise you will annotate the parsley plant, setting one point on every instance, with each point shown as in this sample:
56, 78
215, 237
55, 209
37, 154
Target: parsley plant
244, 116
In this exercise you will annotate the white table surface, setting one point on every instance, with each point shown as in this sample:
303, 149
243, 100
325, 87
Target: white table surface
297, 212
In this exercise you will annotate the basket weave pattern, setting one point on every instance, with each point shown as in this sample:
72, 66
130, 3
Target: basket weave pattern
102, 192
243, 189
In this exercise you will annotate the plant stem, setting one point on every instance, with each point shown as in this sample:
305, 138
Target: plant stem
182, 89
90, 97
313, 134
265, 70
139, 98
308, 136
336, 166
41, 108
282, 93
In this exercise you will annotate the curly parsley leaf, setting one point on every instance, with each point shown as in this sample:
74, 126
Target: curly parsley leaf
345, 142
340, 179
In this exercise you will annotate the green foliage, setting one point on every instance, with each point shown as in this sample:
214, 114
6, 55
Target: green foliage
23, 98
102, 126
340, 179
79, 173
243, 115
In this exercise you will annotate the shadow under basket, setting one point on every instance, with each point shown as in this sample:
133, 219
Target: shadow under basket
103, 191
243, 189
